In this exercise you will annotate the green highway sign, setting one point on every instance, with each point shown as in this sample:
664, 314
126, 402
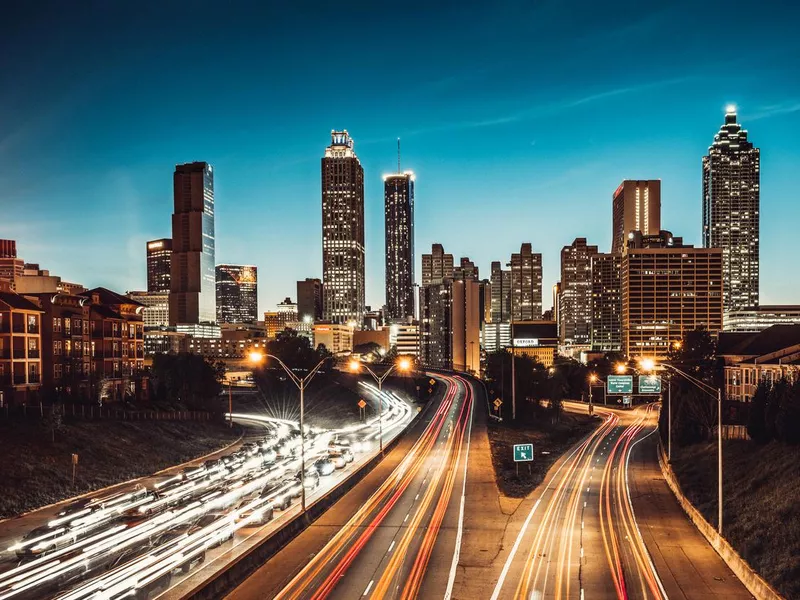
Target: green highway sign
620, 384
649, 384
523, 452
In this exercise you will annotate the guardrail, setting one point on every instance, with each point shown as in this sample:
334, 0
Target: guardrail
754, 583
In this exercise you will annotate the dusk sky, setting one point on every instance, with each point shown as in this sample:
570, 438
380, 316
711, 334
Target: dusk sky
519, 118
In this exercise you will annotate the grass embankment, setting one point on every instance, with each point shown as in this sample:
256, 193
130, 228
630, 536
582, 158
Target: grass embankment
35, 472
545, 436
761, 503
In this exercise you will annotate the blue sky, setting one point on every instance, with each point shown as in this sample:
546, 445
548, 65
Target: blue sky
519, 118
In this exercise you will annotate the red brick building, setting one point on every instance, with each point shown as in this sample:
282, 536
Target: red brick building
20, 349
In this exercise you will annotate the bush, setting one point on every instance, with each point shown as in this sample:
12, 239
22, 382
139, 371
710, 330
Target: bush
775, 412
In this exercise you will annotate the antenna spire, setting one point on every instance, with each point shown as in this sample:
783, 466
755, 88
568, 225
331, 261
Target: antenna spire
398, 156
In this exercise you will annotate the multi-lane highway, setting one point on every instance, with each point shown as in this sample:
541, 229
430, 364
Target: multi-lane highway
142, 540
583, 535
397, 534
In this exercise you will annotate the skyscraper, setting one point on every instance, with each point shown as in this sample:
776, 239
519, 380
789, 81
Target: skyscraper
11, 267
399, 214
465, 270
192, 297
342, 231
607, 302
526, 284
437, 265
309, 299
636, 207
576, 293
731, 198
159, 259
237, 293
501, 293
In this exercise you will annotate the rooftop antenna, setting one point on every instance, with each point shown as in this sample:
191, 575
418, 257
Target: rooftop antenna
398, 156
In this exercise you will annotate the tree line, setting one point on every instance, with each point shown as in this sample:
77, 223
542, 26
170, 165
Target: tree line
775, 412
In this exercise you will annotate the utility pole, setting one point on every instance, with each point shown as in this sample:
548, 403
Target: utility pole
513, 377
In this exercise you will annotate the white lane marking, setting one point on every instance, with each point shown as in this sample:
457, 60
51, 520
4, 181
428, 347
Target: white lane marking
581, 551
416, 497
581, 593
587, 488
451, 579
499, 585
406, 519
390, 547
582, 524
584, 504
366, 591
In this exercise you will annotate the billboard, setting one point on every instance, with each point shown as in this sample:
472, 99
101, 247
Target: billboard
620, 384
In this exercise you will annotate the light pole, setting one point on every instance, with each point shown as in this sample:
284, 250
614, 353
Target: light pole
255, 358
301, 383
714, 393
403, 365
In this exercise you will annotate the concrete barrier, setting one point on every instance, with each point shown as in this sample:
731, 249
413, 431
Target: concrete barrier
241, 567
754, 583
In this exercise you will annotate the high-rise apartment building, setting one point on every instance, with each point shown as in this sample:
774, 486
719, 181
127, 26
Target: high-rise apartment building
575, 328
636, 207
237, 293
342, 232
731, 200
309, 299
466, 269
450, 325
192, 297
437, 265
526, 284
607, 302
399, 215
668, 289
501, 293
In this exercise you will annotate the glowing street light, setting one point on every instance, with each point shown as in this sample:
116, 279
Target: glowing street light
403, 364
647, 364
621, 368
255, 358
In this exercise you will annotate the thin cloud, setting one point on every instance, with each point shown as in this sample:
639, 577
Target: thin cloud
783, 108
550, 109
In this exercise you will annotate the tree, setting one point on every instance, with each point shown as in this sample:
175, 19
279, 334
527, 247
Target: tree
188, 379
530, 383
696, 354
757, 418
54, 420
296, 350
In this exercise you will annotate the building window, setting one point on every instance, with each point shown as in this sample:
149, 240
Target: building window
67, 347
57, 348
56, 324
57, 371
67, 326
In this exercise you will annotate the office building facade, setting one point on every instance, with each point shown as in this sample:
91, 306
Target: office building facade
450, 325
668, 289
309, 300
399, 225
526, 284
636, 206
192, 297
761, 318
155, 314
575, 328
606, 302
159, 261
237, 293
343, 232
731, 205
501, 293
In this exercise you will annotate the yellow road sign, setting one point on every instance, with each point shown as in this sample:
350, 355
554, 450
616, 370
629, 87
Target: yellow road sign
361, 404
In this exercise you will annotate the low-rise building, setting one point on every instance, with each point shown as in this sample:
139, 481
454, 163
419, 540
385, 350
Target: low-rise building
761, 317
20, 349
405, 337
750, 358
537, 339
336, 337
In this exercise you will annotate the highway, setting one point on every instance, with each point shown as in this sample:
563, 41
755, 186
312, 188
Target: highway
142, 540
397, 533
584, 536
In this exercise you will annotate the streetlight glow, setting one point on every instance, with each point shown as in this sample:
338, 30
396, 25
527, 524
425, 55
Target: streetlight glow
255, 357
355, 366
621, 368
404, 364
593, 378
647, 364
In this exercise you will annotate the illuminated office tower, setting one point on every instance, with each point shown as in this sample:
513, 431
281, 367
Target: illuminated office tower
636, 207
399, 215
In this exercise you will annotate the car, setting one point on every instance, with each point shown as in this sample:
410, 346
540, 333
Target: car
347, 455
312, 478
277, 494
41, 541
324, 466
339, 443
268, 456
338, 459
220, 535
259, 515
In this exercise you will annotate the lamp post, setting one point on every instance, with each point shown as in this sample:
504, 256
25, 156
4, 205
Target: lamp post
301, 383
709, 390
403, 365
255, 358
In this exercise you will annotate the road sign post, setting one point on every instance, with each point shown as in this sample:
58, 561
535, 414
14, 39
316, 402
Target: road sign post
649, 384
620, 384
523, 453
74, 467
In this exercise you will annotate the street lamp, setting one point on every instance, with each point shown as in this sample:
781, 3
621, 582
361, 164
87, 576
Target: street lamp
255, 358
593, 379
301, 383
402, 365
621, 368
714, 393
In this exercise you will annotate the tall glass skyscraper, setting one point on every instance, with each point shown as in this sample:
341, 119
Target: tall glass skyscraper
192, 298
399, 215
342, 232
237, 293
731, 198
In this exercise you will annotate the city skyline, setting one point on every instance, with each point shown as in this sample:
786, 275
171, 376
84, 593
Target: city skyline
540, 161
